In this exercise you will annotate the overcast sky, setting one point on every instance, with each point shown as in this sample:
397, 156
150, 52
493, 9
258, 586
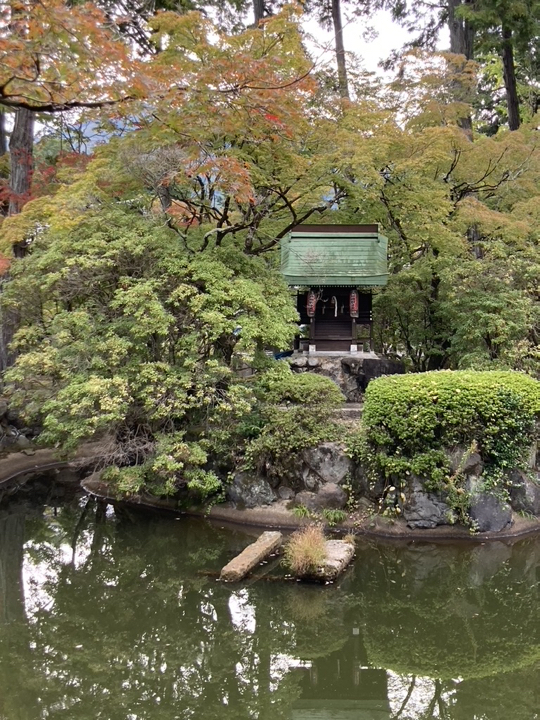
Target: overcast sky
388, 36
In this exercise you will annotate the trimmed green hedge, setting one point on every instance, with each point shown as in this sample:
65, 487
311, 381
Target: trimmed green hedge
409, 421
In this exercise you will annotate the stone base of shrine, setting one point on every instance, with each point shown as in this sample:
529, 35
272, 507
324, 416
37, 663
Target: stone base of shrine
313, 352
350, 371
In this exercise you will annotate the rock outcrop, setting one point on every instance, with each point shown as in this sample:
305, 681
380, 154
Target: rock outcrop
248, 490
328, 497
425, 509
319, 479
326, 463
525, 492
489, 513
314, 479
14, 436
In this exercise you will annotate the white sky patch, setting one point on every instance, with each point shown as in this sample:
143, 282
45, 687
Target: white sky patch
387, 36
242, 612
371, 40
37, 575
420, 698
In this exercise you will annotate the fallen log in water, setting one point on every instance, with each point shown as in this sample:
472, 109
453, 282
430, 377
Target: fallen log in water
239, 567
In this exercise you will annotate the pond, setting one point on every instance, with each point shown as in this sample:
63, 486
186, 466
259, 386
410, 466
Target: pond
121, 617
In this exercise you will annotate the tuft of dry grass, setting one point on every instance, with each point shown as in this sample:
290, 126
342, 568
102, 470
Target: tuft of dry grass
306, 550
350, 538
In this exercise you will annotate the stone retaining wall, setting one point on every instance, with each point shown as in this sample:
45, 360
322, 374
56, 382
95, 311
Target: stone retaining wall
321, 478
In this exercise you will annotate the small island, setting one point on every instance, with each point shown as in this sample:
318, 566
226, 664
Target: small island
330, 432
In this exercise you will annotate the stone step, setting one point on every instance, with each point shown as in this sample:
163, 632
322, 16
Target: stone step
350, 411
251, 556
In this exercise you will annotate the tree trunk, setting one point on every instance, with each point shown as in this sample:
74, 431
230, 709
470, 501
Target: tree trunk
12, 537
164, 195
258, 10
473, 236
9, 321
21, 142
461, 43
509, 73
534, 101
340, 49
461, 32
437, 353
3, 134
21, 147
4, 202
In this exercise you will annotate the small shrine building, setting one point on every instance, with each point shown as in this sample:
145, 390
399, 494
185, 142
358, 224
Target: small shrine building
334, 269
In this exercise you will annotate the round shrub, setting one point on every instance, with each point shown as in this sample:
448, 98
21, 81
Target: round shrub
281, 386
410, 420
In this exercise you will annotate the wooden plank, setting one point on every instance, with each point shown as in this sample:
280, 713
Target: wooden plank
239, 566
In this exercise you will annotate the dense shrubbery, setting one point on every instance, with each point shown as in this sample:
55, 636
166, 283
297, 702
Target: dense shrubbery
410, 421
280, 386
407, 414
127, 332
295, 413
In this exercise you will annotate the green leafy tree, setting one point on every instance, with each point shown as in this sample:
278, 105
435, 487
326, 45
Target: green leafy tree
456, 213
167, 330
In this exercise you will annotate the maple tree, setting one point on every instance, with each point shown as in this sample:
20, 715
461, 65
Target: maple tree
63, 57
54, 56
239, 132
71, 58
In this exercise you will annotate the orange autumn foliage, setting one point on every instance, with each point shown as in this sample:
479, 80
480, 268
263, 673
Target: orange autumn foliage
5, 262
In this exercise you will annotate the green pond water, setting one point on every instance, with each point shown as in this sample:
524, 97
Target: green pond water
121, 617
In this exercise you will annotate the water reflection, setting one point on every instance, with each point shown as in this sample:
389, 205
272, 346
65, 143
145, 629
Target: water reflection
122, 618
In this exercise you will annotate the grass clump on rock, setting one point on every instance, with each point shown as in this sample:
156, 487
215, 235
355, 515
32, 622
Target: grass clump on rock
306, 550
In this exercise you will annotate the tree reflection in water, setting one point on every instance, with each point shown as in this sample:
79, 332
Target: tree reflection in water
119, 619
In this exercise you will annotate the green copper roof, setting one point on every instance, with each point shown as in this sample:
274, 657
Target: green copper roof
351, 255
